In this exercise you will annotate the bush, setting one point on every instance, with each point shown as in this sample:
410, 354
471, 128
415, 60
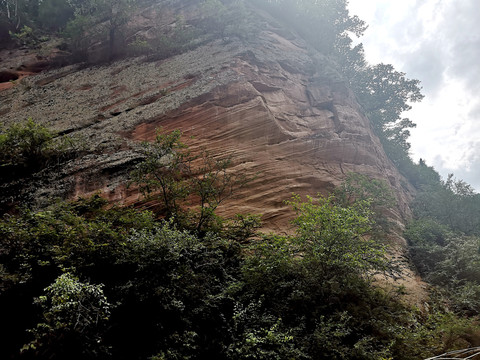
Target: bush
25, 144
74, 319
448, 260
25, 37
336, 238
28, 147
377, 192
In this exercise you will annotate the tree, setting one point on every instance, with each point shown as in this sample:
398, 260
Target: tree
30, 146
335, 237
100, 20
15, 12
376, 191
170, 169
330, 22
18, 21
319, 283
163, 169
385, 94
74, 318
361, 187
213, 184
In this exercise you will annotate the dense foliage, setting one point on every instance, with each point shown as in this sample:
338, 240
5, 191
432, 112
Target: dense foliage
444, 240
28, 145
79, 281
28, 149
91, 283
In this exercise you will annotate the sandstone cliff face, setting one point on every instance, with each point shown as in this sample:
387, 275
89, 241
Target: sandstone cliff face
270, 101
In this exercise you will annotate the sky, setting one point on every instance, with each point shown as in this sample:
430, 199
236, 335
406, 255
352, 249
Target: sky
438, 43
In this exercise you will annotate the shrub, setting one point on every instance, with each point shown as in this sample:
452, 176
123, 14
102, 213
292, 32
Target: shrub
25, 37
26, 144
74, 319
28, 147
335, 237
377, 192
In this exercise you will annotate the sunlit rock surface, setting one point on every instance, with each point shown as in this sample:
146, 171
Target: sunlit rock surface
275, 105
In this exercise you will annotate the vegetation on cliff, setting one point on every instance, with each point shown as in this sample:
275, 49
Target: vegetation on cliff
326, 25
92, 281
445, 241
182, 283
171, 170
29, 149
97, 283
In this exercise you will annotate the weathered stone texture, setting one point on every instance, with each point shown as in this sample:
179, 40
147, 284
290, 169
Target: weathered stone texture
272, 103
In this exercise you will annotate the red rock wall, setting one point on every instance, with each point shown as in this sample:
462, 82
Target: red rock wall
274, 104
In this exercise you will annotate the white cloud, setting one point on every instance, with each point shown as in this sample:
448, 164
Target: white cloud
437, 42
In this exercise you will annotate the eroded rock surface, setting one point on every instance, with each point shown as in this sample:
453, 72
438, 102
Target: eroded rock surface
274, 104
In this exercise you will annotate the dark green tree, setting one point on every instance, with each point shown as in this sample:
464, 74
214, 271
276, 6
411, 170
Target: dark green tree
335, 238
386, 94
54, 15
98, 20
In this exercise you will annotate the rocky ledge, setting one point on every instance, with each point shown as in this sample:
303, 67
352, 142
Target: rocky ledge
275, 105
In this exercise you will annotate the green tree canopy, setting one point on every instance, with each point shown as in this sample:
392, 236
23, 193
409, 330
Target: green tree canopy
385, 95
336, 236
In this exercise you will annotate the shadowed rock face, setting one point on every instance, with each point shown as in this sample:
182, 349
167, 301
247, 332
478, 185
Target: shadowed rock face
274, 104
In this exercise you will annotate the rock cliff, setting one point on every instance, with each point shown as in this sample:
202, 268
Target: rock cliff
275, 105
